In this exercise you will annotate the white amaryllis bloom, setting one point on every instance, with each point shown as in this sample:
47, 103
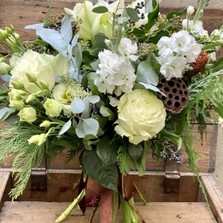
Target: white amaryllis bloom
115, 73
176, 53
128, 48
90, 23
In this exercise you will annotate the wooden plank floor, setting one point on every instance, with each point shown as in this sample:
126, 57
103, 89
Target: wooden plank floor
154, 212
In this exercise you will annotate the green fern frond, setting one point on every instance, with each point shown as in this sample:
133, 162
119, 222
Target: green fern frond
124, 161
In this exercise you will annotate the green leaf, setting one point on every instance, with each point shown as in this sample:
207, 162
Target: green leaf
106, 176
146, 73
65, 127
176, 139
135, 151
107, 112
132, 14
100, 9
6, 112
152, 16
86, 127
106, 151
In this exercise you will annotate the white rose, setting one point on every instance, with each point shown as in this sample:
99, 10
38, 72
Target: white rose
36, 65
141, 115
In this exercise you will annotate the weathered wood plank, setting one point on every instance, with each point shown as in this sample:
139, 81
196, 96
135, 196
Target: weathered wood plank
35, 212
4, 178
215, 197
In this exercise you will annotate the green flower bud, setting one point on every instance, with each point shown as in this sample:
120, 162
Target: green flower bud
31, 78
17, 85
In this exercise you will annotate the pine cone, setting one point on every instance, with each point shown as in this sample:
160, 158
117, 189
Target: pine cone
199, 64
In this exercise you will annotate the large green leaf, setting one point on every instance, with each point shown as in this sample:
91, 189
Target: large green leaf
106, 176
106, 151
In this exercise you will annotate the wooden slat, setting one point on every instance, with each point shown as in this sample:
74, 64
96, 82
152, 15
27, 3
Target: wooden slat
44, 212
4, 178
215, 197
60, 184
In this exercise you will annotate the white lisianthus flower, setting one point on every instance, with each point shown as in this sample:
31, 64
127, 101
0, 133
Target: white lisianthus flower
128, 48
38, 66
27, 114
38, 139
141, 115
53, 107
115, 73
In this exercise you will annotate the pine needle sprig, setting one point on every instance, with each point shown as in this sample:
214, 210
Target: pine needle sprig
14, 141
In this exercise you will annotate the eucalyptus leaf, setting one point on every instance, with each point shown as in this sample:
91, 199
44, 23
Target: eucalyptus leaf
146, 73
6, 112
100, 9
86, 127
152, 87
65, 127
66, 29
77, 105
106, 176
54, 38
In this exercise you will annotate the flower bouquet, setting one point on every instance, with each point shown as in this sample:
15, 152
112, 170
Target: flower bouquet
109, 82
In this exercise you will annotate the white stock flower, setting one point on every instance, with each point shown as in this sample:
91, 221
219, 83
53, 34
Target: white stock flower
115, 73
176, 52
190, 10
173, 67
194, 27
128, 48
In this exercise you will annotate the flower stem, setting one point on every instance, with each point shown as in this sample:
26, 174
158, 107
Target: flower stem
76, 201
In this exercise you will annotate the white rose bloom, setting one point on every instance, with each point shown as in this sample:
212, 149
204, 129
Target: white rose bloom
36, 65
115, 73
128, 48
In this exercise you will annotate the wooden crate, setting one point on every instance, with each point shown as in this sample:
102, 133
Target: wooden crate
169, 199
184, 206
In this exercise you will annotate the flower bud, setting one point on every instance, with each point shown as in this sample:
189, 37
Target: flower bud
44, 85
38, 139
31, 78
27, 114
190, 10
4, 68
45, 124
17, 85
